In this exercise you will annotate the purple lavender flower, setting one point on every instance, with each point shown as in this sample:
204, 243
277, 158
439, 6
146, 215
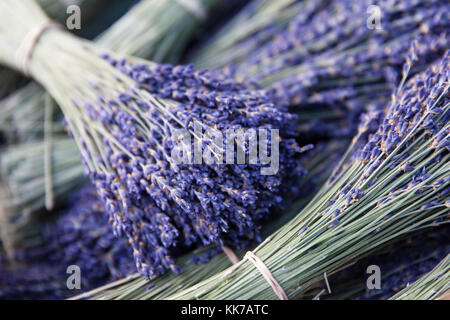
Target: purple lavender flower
161, 206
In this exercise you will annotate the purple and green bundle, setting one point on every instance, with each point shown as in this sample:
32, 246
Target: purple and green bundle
185, 160
46, 170
124, 114
188, 204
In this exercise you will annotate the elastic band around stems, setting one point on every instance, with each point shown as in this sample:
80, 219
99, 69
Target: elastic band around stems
26, 47
194, 7
259, 264
230, 254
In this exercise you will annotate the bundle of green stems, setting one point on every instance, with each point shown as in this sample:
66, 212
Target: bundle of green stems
57, 10
25, 183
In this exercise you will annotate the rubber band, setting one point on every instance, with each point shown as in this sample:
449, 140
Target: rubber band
26, 47
193, 7
259, 264
230, 254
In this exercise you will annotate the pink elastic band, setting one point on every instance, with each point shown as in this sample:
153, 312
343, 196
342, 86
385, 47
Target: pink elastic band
230, 254
259, 264
25, 49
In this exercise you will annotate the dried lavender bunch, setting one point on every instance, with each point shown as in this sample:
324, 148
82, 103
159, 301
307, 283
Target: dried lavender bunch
122, 113
80, 236
197, 210
396, 183
433, 285
337, 46
147, 29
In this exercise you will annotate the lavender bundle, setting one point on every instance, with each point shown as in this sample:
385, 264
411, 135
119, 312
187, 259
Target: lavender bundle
306, 55
123, 114
50, 172
81, 236
396, 183
433, 285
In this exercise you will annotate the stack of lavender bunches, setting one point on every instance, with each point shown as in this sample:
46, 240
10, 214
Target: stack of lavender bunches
81, 237
139, 127
388, 185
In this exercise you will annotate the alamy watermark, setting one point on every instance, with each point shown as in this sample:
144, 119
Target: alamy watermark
73, 21
232, 146
374, 19
74, 280
374, 280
